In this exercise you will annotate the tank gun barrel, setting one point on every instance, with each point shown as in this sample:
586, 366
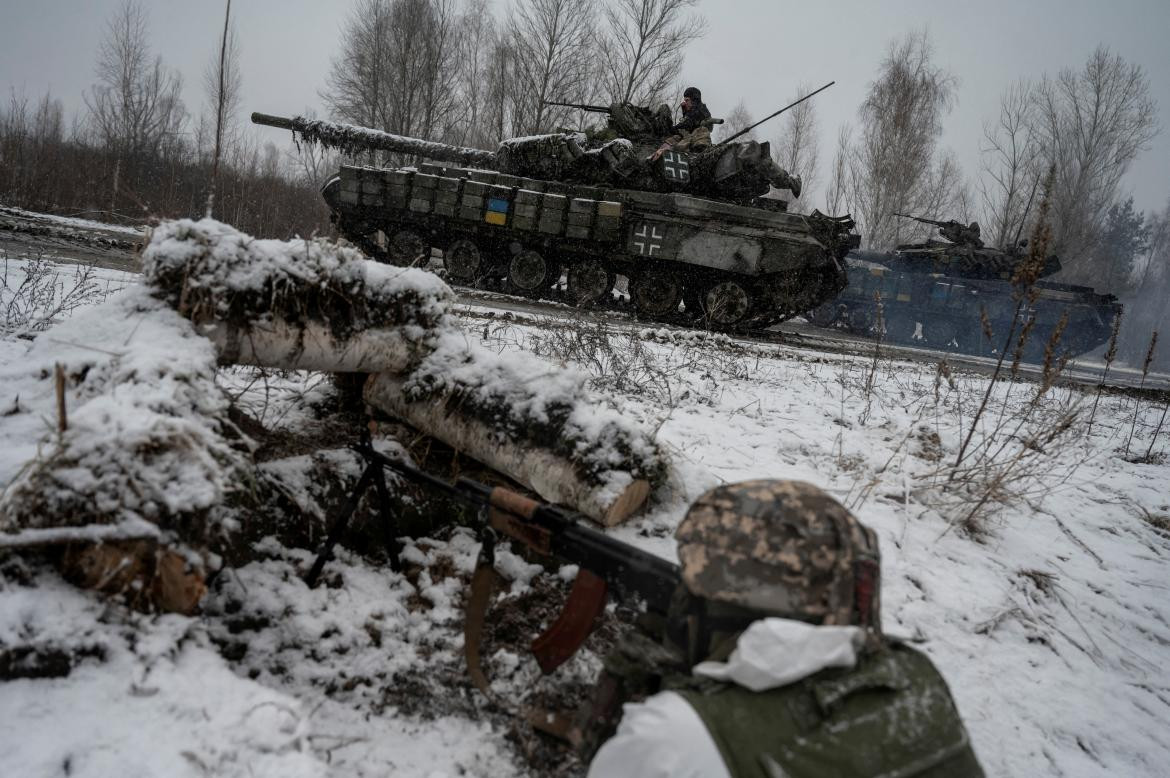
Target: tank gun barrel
921, 219
350, 138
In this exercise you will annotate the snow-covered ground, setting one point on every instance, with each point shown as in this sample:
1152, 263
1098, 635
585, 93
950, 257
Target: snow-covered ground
1035, 574
71, 222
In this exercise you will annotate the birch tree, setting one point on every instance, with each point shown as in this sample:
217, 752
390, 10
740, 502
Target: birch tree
136, 102
1092, 124
797, 148
892, 168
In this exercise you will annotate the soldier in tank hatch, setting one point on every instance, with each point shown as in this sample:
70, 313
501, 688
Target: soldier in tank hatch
772, 661
692, 132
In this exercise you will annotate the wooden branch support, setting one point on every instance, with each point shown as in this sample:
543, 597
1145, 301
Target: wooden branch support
59, 380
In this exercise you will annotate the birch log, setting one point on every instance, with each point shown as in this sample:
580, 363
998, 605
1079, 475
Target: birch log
310, 345
609, 497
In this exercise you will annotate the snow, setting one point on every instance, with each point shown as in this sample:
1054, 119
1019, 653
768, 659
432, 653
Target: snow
70, 221
1050, 622
526, 395
351, 139
144, 439
208, 269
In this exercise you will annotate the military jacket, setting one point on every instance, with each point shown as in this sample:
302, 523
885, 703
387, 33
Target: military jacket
891, 715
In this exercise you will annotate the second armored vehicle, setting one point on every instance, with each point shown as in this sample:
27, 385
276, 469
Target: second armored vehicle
937, 294
684, 228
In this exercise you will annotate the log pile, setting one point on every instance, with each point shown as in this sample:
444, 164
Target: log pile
315, 306
144, 483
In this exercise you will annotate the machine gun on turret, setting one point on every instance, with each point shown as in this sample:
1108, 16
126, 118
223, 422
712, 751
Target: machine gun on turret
956, 232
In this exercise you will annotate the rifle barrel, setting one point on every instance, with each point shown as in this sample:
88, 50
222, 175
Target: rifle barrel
629, 571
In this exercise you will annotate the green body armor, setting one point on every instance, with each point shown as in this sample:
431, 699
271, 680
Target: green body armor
891, 715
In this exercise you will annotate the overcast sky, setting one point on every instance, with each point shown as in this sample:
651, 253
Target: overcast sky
757, 50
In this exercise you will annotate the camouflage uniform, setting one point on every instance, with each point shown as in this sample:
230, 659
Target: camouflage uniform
691, 134
785, 554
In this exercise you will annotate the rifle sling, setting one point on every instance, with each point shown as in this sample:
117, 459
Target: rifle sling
482, 583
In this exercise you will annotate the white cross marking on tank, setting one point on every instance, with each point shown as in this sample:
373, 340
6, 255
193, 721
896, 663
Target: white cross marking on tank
679, 172
650, 232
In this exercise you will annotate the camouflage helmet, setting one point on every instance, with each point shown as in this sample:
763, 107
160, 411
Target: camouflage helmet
781, 548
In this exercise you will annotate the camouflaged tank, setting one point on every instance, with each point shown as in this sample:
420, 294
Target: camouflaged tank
934, 294
689, 228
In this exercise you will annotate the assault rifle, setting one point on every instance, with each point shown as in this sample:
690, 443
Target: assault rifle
605, 565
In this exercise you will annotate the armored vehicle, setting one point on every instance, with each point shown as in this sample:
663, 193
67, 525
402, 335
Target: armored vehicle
934, 294
685, 228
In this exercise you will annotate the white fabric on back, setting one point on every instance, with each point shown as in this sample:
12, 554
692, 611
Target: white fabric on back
775, 652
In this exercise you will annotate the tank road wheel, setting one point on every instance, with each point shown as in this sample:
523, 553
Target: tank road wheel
530, 273
589, 283
860, 319
941, 332
407, 248
824, 314
462, 260
726, 303
655, 293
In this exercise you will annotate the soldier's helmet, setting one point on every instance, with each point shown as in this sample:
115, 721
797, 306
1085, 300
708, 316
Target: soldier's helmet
781, 548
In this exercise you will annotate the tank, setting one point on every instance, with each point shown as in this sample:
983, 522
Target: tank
694, 233
934, 294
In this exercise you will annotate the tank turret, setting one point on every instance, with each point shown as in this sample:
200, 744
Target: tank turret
738, 172
961, 254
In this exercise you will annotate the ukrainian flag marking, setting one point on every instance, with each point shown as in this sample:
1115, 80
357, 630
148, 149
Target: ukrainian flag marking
497, 212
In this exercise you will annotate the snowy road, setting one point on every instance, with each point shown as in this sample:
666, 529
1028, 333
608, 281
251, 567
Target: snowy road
63, 239
801, 335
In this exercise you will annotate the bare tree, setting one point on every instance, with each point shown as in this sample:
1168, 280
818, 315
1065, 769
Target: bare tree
737, 119
555, 57
476, 40
356, 89
837, 190
1092, 123
1011, 171
1146, 309
507, 105
397, 70
642, 46
892, 168
797, 147
136, 102
311, 163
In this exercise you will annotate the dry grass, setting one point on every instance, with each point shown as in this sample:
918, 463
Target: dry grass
44, 294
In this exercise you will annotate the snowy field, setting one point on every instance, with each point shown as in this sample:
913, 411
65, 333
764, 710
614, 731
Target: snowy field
1034, 572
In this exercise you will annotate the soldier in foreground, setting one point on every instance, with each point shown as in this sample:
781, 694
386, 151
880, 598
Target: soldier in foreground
772, 661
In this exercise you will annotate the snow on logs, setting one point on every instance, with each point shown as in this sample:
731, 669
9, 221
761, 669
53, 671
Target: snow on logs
135, 483
314, 305
297, 305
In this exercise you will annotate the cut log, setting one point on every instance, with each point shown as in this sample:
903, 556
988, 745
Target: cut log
606, 496
310, 345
